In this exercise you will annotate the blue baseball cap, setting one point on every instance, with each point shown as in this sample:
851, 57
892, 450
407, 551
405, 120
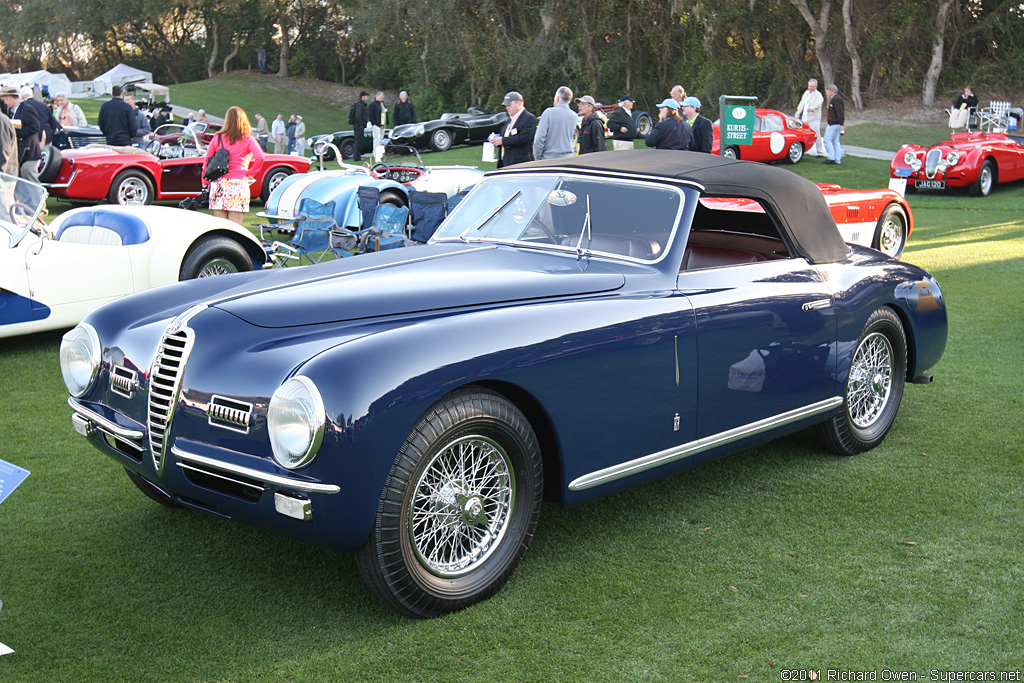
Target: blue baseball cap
670, 103
691, 102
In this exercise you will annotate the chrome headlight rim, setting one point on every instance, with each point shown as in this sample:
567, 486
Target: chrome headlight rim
909, 158
87, 333
299, 392
953, 158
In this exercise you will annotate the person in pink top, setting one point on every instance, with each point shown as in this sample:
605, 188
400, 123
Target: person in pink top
230, 194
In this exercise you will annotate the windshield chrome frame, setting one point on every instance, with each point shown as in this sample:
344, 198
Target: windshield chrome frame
572, 249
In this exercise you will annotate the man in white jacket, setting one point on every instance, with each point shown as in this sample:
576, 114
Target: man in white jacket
809, 110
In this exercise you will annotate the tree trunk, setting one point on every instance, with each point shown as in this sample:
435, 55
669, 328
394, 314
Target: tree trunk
211, 65
819, 31
282, 71
234, 53
851, 47
931, 78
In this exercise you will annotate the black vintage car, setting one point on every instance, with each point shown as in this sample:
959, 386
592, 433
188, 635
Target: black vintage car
469, 128
344, 140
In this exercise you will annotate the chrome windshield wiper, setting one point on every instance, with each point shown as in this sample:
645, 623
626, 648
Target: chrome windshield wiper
585, 231
492, 214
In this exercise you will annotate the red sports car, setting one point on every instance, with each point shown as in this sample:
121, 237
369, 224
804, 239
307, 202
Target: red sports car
880, 219
129, 175
975, 160
776, 137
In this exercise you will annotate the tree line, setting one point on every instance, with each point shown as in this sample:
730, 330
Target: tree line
452, 53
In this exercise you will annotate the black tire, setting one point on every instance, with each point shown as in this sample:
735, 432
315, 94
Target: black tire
731, 152
49, 164
441, 140
891, 231
982, 187
273, 178
874, 387
644, 123
131, 186
795, 153
214, 255
448, 535
348, 149
152, 491
393, 198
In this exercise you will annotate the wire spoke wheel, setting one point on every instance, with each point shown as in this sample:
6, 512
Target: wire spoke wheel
870, 380
461, 506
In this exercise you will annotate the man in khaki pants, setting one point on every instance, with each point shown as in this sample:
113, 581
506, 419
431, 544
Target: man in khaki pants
622, 125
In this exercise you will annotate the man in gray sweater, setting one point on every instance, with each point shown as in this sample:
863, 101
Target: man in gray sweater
553, 139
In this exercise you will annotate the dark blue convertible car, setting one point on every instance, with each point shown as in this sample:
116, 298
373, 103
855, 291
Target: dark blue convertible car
575, 327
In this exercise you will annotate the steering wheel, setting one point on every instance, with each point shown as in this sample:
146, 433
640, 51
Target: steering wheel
381, 171
540, 225
20, 212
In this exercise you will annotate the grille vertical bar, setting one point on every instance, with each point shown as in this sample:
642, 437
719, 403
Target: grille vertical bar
164, 385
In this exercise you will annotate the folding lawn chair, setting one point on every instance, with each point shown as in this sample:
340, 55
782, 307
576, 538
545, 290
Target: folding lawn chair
313, 224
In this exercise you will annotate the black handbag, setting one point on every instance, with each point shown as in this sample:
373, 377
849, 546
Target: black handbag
218, 163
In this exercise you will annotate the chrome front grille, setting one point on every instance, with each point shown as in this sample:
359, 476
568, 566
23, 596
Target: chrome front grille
931, 161
123, 381
164, 385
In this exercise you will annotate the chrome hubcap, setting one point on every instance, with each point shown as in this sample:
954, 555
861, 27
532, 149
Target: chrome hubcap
132, 191
870, 380
891, 236
986, 180
461, 506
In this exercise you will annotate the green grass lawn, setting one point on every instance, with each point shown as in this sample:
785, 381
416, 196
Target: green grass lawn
904, 558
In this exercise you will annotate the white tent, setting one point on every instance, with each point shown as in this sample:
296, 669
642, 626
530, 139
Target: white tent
155, 90
120, 75
54, 83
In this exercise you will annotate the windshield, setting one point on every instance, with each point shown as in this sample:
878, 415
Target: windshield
21, 205
585, 215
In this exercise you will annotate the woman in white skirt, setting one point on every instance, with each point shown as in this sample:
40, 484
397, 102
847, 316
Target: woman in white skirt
230, 194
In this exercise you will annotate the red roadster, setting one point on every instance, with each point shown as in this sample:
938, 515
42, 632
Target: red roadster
776, 137
129, 175
975, 160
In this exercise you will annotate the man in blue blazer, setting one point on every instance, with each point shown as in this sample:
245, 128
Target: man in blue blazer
29, 149
515, 144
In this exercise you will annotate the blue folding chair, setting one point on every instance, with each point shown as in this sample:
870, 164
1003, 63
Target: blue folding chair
426, 211
313, 224
388, 230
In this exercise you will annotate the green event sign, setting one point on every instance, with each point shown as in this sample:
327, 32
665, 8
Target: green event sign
737, 124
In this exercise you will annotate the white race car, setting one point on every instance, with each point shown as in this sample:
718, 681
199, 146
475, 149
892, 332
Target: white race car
52, 275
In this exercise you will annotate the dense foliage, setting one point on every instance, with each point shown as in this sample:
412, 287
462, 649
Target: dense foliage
450, 53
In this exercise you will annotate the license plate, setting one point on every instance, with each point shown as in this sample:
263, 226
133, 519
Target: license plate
931, 184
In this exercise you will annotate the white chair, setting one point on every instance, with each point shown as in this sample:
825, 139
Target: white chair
995, 115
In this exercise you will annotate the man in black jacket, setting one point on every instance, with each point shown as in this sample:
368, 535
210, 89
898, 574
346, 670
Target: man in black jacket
622, 125
836, 118
703, 132
515, 144
405, 111
359, 116
117, 119
592, 129
29, 149
378, 113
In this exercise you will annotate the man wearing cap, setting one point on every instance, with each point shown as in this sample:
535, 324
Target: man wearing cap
703, 133
117, 119
671, 132
515, 144
591, 128
300, 135
358, 116
29, 149
555, 129
622, 125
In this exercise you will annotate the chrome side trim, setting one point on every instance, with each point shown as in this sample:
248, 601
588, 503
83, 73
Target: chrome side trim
249, 473
688, 450
105, 424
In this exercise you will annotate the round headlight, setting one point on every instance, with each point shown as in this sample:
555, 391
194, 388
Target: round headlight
296, 419
80, 359
909, 158
952, 158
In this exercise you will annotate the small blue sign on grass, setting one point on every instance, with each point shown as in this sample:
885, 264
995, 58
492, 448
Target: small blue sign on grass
11, 477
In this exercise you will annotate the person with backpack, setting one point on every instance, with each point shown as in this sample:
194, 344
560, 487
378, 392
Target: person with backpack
672, 132
358, 117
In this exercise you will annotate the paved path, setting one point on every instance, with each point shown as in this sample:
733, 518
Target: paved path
867, 153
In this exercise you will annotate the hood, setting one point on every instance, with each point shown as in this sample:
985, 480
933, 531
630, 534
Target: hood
414, 280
